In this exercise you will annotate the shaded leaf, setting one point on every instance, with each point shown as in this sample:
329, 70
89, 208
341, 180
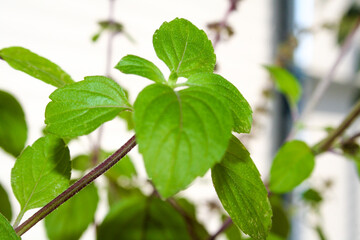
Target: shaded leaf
312, 196
36, 66
184, 48
6, 230
71, 219
81, 163
198, 231
180, 134
128, 116
280, 222
286, 83
78, 109
131, 64
348, 22
41, 172
124, 168
117, 192
292, 164
13, 129
140, 218
242, 193
5, 206
240, 108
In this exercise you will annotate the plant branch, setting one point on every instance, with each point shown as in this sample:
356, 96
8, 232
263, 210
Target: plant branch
326, 80
77, 186
227, 223
224, 21
326, 143
111, 38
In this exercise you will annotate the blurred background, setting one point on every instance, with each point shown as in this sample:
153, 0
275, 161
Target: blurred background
300, 35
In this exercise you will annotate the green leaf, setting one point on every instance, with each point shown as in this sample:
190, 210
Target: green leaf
348, 22
72, 218
280, 222
117, 192
124, 168
78, 109
36, 66
286, 83
41, 172
242, 193
6, 230
13, 129
232, 232
240, 108
5, 206
141, 218
184, 48
131, 64
129, 119
81, 163
312, 196
292, 164
198, 231
180, 134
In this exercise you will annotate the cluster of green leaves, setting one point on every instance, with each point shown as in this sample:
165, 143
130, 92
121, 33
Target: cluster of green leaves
182, 129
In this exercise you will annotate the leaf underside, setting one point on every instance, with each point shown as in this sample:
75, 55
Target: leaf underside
242, 193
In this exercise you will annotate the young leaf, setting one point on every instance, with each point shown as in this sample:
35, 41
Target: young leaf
36, 66
242, 193
5, 207
41, 172
292, 164
6, 230
286, 83
72, 218
240, 108
184, 48
139, 218
13, 129
131, 64
78, 109
180, 134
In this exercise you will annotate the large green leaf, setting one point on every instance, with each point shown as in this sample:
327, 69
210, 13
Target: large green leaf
5, 206
180, 134
286, 83
6, 230
131, 64
36, 66
41, 172
13, 129
242, 193
140, 218
240, 108
72, 218
78, 109
184, 48
292, 164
